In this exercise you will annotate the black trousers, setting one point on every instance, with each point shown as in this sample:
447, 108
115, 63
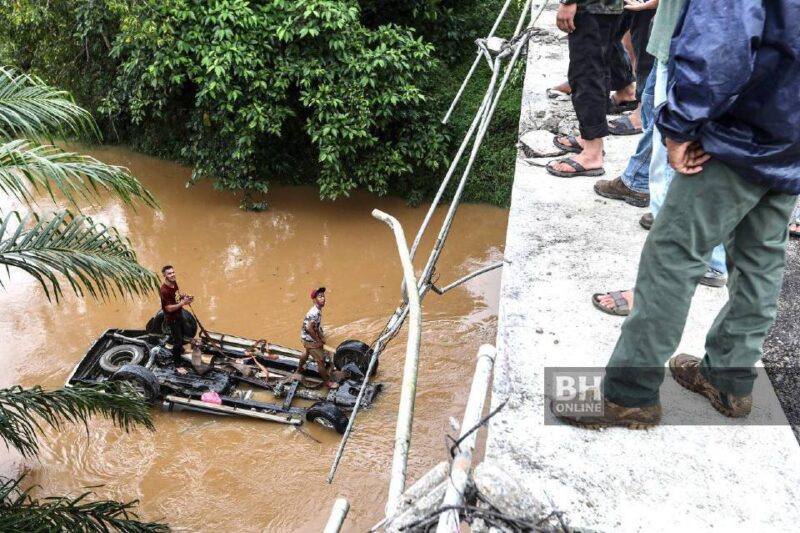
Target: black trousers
639, 23
176, 330
589, 74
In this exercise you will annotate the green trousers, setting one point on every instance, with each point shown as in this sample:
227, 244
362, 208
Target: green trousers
700, 211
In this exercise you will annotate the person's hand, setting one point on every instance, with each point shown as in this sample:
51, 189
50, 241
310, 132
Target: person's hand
687, 157
565, 17
640, 5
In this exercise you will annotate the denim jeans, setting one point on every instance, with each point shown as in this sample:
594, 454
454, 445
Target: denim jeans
637, 174
661, 173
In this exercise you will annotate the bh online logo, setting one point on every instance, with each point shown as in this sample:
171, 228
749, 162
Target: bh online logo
577, 392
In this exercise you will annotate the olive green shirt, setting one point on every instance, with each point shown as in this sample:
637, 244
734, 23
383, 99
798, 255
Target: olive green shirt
601, 7
663, 27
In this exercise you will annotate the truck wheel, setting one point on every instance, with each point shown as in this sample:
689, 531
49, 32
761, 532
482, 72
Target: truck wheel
125, 354
327, 415
141, 380
158, 326
354, 351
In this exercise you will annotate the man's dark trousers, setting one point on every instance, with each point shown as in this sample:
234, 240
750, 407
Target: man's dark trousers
700, 211
588, 72
176, 330
639, 24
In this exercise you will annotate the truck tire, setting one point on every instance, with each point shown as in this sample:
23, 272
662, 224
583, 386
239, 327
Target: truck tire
118, 356
327, 415
354, 351
141, 380
158, 326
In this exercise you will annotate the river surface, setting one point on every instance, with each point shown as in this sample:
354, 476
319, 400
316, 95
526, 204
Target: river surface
251, 274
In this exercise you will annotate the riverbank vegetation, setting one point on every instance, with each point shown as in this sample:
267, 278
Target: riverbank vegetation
57, 249
341, 93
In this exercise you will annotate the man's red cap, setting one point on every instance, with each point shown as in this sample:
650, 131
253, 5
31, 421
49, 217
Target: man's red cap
316, 292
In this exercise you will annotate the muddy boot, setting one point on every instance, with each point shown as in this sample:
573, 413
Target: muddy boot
685, 369
615, 416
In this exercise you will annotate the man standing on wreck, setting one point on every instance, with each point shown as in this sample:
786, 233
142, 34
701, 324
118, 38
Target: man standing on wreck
172, 303
313, 337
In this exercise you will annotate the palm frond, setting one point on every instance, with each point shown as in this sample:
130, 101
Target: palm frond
30, 108
91, 256
27, 167
19, 511
22, 411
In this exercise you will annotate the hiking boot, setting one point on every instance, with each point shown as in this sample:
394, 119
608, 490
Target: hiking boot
685, 369
714, 278
646, 221
615, 416
617, 190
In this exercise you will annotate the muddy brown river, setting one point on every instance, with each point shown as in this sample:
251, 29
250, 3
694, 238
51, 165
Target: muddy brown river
251, 274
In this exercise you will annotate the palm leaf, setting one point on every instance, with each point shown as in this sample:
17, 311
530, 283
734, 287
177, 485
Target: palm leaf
23, 410
27, 167
30, 108
91, 256
20, 512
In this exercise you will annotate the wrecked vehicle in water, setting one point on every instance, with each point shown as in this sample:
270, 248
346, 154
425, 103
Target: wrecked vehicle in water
225, 372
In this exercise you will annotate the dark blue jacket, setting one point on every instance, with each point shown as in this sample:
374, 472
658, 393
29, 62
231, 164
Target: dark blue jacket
734, 85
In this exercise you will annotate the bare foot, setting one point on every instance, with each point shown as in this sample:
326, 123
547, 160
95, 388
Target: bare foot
563, 87
607, 301
794, 227
636, 117
588, 160
627, 94
182, 371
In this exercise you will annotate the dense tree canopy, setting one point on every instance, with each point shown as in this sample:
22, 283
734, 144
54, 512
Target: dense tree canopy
344, 93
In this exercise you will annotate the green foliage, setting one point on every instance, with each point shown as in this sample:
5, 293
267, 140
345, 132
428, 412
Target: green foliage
91, 256
264, 86
344, 93
19, 511
21, 411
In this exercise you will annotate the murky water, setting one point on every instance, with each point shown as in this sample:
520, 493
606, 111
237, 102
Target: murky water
251, 274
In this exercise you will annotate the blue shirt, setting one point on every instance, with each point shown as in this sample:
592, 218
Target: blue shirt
734, 85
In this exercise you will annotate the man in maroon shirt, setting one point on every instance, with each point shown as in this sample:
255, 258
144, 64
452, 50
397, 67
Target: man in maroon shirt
172, 303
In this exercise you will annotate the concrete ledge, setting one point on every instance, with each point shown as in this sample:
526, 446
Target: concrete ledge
565, 243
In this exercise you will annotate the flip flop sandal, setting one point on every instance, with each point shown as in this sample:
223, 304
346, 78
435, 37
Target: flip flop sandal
574, 147
623, 126
615, 108
620, 308
580, 170
794, 233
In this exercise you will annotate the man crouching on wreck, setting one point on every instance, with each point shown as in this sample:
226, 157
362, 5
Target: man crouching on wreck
172, 303
313, 337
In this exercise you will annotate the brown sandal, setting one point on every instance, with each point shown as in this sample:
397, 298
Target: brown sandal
621, 307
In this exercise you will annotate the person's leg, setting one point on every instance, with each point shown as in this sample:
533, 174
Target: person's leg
661, 173
699, 212
588, 47
176, 331
620, 71
640, 35
637, 174
758, 249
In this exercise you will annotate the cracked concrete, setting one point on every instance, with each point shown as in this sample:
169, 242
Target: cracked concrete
564, 243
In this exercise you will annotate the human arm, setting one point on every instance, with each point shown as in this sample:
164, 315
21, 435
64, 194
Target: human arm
311, 329
712, 59
640, 5
185, 300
